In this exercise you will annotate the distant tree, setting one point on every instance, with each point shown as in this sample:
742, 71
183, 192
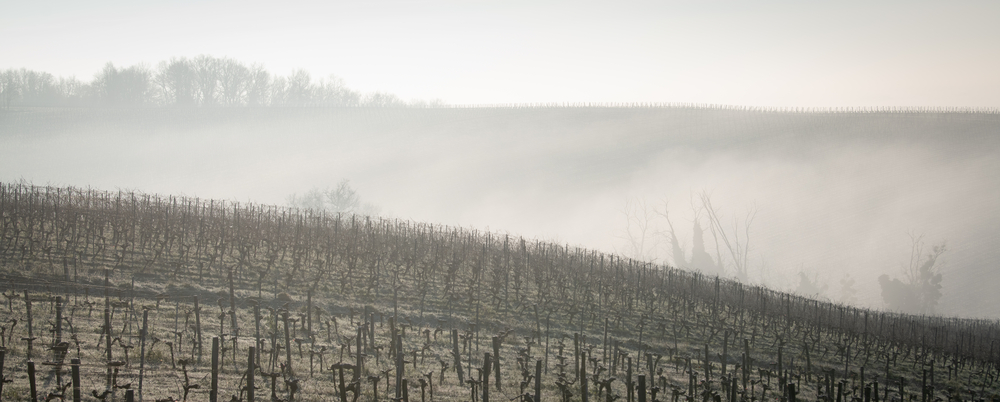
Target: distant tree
25, 87
382, 99
639, 230
10, 87
277, 91
177, 82
234, 80
200, 81
700, 260
207, 72
38, 88
298, 91
341, 199
72, 91
919, 291
848, 293
738, 247
132, 86
258, 86
333, 92
810, 285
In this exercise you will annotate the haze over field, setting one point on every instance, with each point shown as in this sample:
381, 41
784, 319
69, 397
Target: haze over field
838, 196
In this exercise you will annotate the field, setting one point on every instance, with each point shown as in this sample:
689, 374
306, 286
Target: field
84, 271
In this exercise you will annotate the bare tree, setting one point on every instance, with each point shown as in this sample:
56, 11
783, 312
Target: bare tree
700, 259
639, 231
333, 92
132, 86
381, 99
920, 289
341, 199
258, 86
234, 78
9, 87
738, 248
299, 89
177, 81
206, 69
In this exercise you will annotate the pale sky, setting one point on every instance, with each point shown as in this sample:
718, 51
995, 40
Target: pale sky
761, 53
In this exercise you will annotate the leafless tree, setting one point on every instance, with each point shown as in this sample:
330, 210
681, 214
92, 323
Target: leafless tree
206, 69
176, 80
735, 239
639, 231
920, 289
258, 86
233, 80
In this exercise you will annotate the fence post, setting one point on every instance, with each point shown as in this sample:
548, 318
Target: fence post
197, 326
213, 395
107, 342
628, 381
3, 355
75, 366
583, 376
400, 365
642, 388
406, 391
251, 367
31, 336
576, 355
496, 360
487, 365
288, 343
31, 381
538, 381
256, 320
458, 356
359, 361
142, 349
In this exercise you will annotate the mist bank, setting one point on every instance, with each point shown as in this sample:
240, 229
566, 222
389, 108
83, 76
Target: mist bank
836, 194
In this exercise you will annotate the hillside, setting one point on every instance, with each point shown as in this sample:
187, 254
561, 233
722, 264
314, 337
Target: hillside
324, 284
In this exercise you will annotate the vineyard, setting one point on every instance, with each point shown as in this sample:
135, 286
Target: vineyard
121, 296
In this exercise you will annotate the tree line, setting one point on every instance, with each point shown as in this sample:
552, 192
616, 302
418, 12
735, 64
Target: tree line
199, 81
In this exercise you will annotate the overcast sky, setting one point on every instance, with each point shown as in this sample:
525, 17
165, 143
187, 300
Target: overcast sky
766, 53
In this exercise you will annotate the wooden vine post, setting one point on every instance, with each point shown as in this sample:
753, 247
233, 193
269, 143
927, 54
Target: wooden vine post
31, 335
400, 366
142, 349
496, 360
458, 356
3, 355
642, 388
251, 367
31, 380
197, 326
107, 344
75, 367
538, 381
360, 356
583, 376
213, 394
288, 343
487, 365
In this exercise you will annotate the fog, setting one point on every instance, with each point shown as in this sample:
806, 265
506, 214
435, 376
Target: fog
835, 194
